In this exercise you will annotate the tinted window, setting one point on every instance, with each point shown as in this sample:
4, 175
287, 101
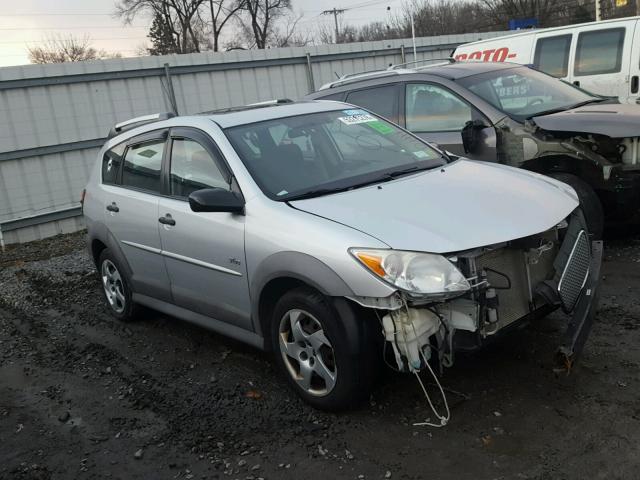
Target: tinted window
111, 164
193, 168
599, 52
297, 155
552, 55
142, 166
433, 109
381, 100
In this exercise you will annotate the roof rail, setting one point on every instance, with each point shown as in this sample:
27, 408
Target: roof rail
404, 65
139, 121
239, 108
356, 77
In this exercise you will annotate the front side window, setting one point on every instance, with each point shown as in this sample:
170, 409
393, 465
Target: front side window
552, 55
193, 168
314, 153
599, 52
431, 108
111, 162
381, 100
521, 92
142, 166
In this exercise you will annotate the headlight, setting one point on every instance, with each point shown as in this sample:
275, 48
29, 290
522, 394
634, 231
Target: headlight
413, 272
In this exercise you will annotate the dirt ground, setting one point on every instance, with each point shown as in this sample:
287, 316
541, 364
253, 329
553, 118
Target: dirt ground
83, 396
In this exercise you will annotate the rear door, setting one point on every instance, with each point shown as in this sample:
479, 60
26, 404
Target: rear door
438, 115
634, 87
131, 208
383, 100
204, 251
602, 58
552, 53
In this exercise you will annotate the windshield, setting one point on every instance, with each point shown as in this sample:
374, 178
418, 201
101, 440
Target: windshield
523, 93
318, 153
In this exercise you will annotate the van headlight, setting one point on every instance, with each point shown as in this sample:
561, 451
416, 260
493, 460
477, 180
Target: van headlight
414, 272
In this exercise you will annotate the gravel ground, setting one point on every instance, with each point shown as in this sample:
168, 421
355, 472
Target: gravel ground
83, 396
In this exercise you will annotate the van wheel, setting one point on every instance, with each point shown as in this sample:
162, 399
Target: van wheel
326, 353
589, 202
115, 287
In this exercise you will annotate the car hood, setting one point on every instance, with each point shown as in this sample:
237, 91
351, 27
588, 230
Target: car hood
613, 120
463, 205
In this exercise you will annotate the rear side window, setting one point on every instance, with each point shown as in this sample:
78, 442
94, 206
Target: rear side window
552, 55
111, 162
434, 109
599, 52
193, 168
380, 100
142, 166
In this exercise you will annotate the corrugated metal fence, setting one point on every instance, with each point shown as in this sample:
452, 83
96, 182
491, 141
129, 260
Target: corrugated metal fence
55, 117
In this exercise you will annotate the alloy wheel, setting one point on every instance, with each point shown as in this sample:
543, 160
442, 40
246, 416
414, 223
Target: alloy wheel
113, 286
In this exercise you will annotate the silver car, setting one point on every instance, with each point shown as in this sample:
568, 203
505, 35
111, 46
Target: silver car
335, 238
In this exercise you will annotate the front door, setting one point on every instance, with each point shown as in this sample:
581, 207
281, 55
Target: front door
601, 59
203, 251
131, 204
438, 115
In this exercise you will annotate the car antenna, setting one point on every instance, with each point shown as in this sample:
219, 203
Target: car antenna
336, 74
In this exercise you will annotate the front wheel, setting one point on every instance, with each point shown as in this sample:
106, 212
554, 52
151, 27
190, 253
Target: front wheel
326, 356
589, 202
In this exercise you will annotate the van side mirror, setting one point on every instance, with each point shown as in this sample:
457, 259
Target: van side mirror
216, 200
470, 134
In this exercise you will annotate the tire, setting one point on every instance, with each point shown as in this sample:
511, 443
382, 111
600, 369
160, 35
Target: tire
589, 202
116, 287
330, 359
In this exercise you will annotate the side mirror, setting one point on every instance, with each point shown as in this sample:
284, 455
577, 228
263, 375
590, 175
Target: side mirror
470, 134
216, 200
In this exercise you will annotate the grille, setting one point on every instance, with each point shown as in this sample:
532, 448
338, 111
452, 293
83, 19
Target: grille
575, 272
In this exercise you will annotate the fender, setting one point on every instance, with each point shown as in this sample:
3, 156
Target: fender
299, 266
99, 231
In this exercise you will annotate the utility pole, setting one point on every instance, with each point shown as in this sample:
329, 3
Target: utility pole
598, 11
335, 12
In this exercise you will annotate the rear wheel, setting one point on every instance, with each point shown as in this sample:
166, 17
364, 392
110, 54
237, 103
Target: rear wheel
327, 356
116, 287
589, 202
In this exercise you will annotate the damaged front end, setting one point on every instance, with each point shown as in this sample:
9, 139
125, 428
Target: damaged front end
508, 284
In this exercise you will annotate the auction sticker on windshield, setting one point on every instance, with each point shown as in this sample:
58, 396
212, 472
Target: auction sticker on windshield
356, 116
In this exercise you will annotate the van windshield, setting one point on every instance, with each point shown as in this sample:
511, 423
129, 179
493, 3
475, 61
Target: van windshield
523, 93
320, 153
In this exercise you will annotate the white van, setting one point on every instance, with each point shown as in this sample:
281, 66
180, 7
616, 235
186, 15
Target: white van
601, 57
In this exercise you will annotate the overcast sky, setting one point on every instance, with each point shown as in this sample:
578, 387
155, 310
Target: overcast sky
27, 22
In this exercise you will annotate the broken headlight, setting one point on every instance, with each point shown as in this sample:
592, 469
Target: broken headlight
414, 272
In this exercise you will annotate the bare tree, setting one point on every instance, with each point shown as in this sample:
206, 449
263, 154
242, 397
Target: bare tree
221, 12
179, 16
287, 33
262, 15
58, 49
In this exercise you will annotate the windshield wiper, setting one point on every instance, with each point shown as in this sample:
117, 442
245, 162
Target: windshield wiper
317, 193
568, 107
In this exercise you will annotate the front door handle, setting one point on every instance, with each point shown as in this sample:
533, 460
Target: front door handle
113, 207
167, 220
634, 84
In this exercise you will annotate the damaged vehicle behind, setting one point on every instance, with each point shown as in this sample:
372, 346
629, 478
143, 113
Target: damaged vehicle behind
336, 239
516, 116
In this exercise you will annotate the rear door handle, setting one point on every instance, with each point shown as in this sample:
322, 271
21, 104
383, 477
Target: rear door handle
634, 84
167, 220
113, 207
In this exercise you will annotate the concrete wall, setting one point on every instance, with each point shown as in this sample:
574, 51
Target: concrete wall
55, 117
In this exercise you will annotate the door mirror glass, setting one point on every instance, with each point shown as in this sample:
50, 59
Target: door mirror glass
471, 135
216, 200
